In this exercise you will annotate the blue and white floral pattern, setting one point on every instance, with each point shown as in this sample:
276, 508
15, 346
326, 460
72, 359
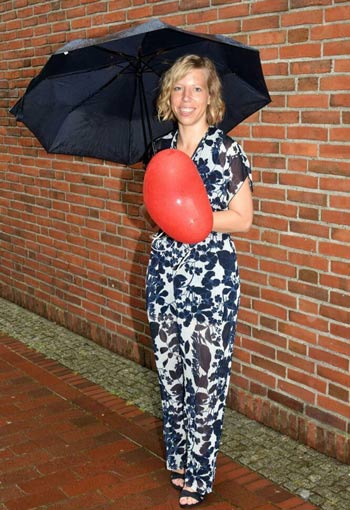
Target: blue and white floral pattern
192, 293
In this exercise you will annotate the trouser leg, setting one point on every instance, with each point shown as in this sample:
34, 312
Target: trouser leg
207, 370
162, 316
169, 362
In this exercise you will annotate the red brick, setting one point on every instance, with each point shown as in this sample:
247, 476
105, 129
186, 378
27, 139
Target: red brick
334, 406
307, 49
193, 4
300, 148
254, 23
296, 391
140, 12
129, 487
40, 484
89, 501
269, 366
294, 18
307, 380
89, 484
328, 358
225, 27
309, 67
239, 496
51, 495
264, 6
338, 392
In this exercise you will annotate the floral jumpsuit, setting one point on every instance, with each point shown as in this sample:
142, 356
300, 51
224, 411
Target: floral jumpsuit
192, 293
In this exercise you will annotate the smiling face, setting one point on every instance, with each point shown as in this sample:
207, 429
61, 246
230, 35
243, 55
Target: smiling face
190, 97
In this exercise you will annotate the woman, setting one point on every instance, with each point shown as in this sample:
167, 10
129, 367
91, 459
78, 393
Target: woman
192, 290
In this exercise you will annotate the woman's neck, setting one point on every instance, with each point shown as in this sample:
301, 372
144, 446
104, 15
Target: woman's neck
189, 137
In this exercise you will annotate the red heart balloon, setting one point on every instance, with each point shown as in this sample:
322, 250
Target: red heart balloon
176, 198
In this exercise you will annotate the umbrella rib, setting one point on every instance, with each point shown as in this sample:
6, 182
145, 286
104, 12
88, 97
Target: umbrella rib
143, 103
84, 71
135, 61
131, 66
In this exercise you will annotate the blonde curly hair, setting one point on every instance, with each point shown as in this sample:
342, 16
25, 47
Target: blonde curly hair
182, 66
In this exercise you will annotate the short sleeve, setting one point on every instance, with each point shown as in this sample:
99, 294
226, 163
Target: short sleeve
155, 146
239, 167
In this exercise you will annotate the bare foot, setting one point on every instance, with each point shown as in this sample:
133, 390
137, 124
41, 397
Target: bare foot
187, 500
178, 482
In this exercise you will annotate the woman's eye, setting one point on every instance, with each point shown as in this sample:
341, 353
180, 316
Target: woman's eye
197, 89
177, 88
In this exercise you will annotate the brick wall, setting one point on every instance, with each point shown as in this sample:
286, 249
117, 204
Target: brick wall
73, 246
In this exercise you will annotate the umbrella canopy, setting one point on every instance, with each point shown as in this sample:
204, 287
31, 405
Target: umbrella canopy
96, 97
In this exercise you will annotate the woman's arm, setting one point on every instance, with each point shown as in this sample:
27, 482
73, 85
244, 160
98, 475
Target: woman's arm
239, 215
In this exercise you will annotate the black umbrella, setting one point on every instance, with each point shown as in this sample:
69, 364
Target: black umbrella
96, 97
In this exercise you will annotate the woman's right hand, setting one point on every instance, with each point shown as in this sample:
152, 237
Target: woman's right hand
150, 223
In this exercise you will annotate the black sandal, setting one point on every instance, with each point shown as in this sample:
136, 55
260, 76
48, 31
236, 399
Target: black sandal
176, 476
188, 494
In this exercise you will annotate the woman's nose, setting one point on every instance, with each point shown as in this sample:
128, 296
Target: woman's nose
186, 94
